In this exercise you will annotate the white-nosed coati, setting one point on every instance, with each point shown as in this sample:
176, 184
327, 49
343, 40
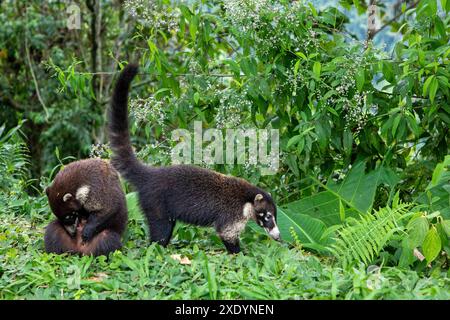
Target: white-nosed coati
187, 193
90, 207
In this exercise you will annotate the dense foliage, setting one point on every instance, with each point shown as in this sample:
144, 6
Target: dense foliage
363, 186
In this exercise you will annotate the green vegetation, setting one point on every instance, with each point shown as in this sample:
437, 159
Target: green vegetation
363, 186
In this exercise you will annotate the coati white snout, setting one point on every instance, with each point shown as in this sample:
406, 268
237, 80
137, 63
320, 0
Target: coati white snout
187, 193
90, 206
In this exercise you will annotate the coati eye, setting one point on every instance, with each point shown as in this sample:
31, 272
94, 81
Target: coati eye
71, 216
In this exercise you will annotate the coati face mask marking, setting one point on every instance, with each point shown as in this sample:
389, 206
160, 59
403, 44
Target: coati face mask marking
70, 223
265, 215
65, 207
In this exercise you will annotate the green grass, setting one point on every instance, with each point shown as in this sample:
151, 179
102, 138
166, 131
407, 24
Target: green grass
264, 270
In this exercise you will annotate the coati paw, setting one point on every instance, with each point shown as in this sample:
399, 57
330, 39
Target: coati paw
87, 234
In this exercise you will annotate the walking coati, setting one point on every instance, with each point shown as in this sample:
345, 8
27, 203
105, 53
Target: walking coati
182, 192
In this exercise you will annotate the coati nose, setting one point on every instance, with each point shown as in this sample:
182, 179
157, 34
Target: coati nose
71, 229
274, 233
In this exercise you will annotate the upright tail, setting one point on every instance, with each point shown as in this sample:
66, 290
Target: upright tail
124, 159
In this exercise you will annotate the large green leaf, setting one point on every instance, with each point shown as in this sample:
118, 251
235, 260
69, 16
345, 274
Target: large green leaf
437, 194
308, 230
431, 245
417, 230
356, 193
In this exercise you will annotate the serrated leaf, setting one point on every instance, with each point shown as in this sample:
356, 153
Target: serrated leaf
196, 97
360, 79
433, 88
294, 140
317, 68
313, 10
395, 124
417, 230
301, 145
193, 26
446, 226
296, 67
426, 85
347, 142
301, 55
341, 211
431, 245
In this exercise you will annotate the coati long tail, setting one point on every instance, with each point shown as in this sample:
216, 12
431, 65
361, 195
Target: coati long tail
124, 159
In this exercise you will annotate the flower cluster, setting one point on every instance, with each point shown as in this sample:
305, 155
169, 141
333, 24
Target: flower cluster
272, 25
356, 112
148, 110
232, 105
100, 150
154, 13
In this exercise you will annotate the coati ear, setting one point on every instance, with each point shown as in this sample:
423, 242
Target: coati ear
67, 197
259, 197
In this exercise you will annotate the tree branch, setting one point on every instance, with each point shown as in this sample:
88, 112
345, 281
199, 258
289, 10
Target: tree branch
389, 22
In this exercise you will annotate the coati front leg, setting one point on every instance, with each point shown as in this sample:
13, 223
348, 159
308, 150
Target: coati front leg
161, 230
101, 244
96, 222
232, 245
229, 234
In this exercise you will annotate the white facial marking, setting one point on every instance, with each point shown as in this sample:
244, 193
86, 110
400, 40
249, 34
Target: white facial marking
82, 193
274, 232
248, 210
67, 197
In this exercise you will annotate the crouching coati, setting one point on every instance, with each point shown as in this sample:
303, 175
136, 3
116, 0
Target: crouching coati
181, 192
90, 207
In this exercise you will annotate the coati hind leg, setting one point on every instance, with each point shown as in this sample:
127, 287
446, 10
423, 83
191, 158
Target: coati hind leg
102, 244
57, 240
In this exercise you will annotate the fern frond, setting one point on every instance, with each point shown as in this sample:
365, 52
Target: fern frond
361, 240
14, 159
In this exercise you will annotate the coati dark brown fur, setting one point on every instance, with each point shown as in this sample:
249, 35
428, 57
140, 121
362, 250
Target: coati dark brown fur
181, 192
90, 207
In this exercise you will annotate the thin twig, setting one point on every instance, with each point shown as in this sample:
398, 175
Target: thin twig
27, 51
